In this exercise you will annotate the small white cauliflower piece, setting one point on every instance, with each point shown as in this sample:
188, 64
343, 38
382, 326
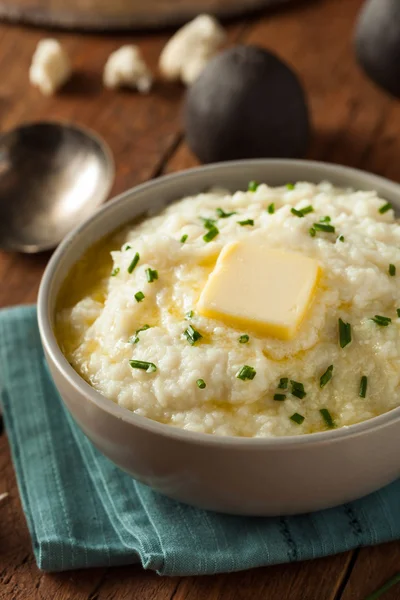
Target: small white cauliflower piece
50, 67
126, 67
187, 53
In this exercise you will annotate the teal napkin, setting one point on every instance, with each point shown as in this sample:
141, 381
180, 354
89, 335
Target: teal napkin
82, 511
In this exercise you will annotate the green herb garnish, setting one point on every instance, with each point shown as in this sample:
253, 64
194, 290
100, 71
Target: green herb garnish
381, 321
385, 208
327, 376
222, 214
244, 339
201, 384
189, 315
283, 383
280, 397
324, 227
192, 335
326, 415
312, 232
302, 211
392, 270
208, 223
341, 238
145, 366
271, 208
252, 187
297, 213
184, 238
134, 340
115, 272
363, 386
246, 372
151, 275
211, 234
246, 222
344, 333
134, 262
326, 219
139, 296
398, 312
290, 186
296, 418
298, 389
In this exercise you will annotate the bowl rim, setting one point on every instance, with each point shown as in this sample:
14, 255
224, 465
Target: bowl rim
80, 386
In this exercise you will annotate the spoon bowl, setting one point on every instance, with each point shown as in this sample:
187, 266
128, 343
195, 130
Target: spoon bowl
52, 177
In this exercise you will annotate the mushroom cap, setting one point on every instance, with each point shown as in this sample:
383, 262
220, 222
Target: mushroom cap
246, 103
377, 43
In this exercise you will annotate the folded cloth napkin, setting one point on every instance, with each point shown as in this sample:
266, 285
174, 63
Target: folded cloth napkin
82, 511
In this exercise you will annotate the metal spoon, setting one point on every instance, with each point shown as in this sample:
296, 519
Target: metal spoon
52, 176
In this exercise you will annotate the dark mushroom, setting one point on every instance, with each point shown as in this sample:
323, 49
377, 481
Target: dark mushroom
377, 43
246, 103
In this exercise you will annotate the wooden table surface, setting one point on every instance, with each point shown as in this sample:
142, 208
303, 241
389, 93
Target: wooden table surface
354, 124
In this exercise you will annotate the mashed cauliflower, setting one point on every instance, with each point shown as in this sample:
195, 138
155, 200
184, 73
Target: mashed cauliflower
104, 306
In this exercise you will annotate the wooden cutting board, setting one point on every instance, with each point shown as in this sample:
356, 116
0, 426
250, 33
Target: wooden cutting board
121, 14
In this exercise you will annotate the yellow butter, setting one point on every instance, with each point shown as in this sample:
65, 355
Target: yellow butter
255, 287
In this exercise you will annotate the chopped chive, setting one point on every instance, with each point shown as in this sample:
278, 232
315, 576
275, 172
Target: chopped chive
326, 415
312, 231
283, 383
381, 321
385, 208
363, 386
392, 270
192, 335
280, 397
189, 315
151, 275
324, 227
271, 208
296, 418
302, 211
290, 186
252, 187
127, 248
307, 210
398, 312
208, 223
201, 384
145, 366
139, 296
344, 333
184, 238
244, 339
246, 222
246, 372
326, 219
341, 238
297, 213
222, 214
298, 389
135, 339
134, 262
211, 234
115, 272
327, 376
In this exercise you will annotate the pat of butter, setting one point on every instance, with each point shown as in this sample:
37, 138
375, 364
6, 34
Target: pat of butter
255, 287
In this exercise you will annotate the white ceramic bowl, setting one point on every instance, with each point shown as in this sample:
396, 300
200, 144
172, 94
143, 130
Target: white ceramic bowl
278, 476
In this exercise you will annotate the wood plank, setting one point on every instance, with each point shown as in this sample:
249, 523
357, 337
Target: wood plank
373, 568
311, 580
19, 576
